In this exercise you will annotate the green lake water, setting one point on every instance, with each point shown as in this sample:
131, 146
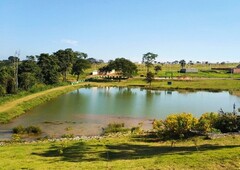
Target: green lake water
93, 107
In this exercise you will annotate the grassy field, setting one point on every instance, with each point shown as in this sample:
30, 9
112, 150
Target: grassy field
124, 153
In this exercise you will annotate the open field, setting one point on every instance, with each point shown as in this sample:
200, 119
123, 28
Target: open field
123, 153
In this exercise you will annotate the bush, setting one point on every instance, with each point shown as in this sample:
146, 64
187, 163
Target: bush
28, 130
19, 130
33, 130
206, 122
175, 126
228, 122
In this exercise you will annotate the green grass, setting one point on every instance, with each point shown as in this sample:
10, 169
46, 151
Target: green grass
26, 105
123, 153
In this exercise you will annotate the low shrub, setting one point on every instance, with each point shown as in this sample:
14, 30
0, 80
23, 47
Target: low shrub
19, 130
206, 122
228, 122
175, 126
33, 130
28, 130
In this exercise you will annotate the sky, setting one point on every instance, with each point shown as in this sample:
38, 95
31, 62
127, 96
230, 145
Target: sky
197, 30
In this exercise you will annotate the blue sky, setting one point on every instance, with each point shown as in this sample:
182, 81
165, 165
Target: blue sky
198, 30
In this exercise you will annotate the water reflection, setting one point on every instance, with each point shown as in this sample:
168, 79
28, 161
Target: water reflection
133, 102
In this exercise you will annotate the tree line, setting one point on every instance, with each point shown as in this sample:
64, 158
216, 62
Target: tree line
47, 69
44, 68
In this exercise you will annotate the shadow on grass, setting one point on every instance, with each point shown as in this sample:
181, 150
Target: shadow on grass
80, 152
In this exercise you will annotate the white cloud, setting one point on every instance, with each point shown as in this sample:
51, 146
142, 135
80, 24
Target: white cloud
70, 42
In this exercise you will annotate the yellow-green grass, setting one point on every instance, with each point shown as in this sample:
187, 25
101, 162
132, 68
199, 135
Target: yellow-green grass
19, 106
123, 153
192, 84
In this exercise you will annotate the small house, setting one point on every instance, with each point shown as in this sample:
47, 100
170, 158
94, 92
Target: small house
189, 70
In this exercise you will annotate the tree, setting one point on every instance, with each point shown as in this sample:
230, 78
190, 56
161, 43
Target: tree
157, 69
49, 68
148, 59
14, 64
149, 77
125, 67
6, 80
29, 73
79, 66
182, 63
27, 80
66, 58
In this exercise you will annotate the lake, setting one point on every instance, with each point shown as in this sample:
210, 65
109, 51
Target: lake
85, 111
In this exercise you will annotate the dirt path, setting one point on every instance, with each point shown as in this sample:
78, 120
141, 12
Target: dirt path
9, 105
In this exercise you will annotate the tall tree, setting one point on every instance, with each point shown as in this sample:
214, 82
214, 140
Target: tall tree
79, 66
49, 68
149, 77
66, 59
29, 73
14, 64
182, 63
148, 59
6, 80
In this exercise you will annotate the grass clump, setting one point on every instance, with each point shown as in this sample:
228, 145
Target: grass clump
28, 130
67, 136
115, 128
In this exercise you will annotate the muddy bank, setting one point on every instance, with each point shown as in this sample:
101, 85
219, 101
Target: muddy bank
82, 125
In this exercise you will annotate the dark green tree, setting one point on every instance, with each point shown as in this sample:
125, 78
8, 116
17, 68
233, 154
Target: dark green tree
6, 80
125, 67
66, 58
29, 73
49, 68
148, 59
182, 63
149, 77
79, 66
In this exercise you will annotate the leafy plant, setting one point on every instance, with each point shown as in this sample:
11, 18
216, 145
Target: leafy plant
19, 130
206, 122
175, 125
228, 122
28, 130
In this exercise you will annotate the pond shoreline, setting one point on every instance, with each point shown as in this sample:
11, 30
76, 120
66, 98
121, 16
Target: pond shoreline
9, 110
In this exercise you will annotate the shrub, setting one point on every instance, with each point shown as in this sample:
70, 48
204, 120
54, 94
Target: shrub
159, 127
206, 122
175, 126
19, 130
28, 130
33, 130
228, 122
180, 125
